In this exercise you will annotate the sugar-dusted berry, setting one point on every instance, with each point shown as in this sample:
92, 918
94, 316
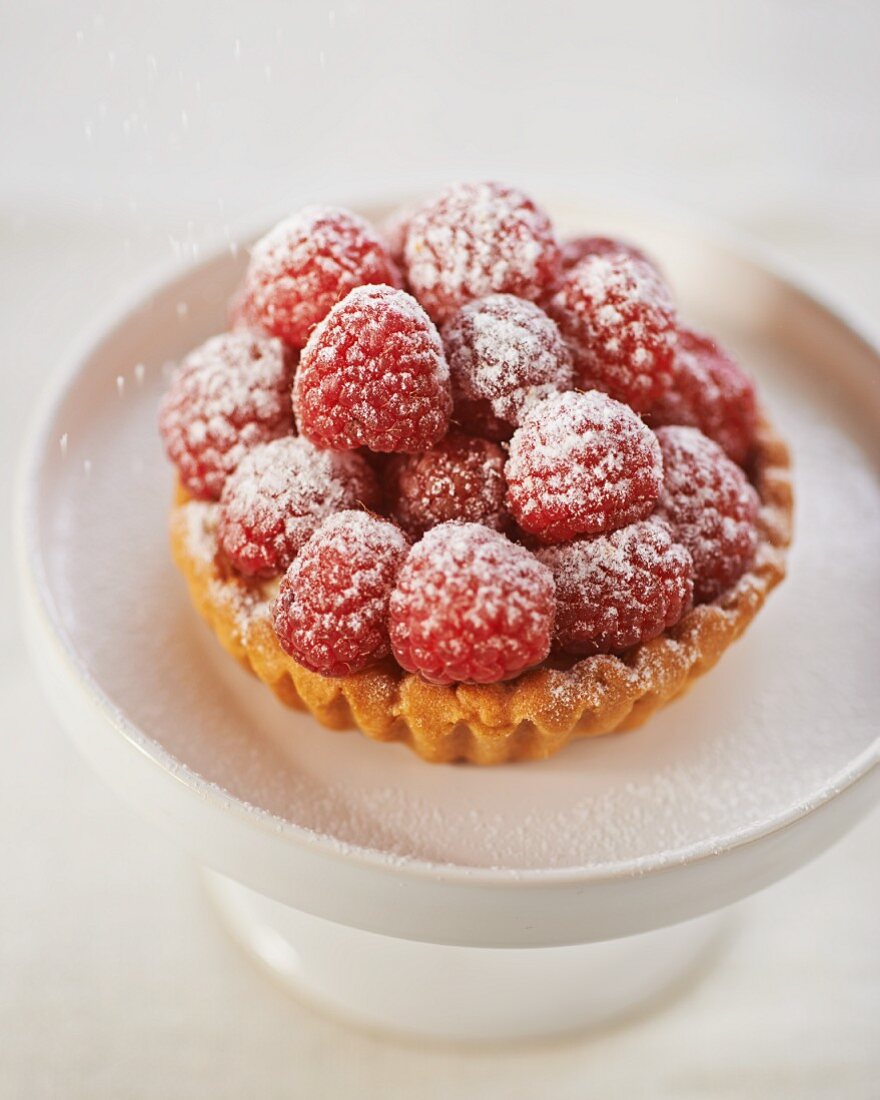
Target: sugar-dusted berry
471, 606
279, 495
226, 397
711, 507
477, 239
461, 477
619, 321
331, 612
710, 391
615, 591
504, 353
581, 463
309, 262
374, 374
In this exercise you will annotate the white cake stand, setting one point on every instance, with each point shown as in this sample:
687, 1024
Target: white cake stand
458, 902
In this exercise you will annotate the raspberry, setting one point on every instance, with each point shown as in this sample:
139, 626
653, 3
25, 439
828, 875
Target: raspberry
227, 396
711, 508
504, 353
581, 463
242, 315
309, 262
470, 606
394, 230
615, 591
373, 374
477, 239
460, 478
710, 392
279, 495
578, 248
618, 318
331, 613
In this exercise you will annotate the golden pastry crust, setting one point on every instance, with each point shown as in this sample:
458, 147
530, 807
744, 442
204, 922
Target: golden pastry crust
528, 718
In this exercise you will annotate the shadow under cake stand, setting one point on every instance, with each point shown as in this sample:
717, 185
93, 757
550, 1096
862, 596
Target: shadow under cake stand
457, 902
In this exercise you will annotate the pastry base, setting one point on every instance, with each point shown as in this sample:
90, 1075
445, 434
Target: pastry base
529, 718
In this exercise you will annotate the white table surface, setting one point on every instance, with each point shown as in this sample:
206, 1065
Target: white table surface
116, 980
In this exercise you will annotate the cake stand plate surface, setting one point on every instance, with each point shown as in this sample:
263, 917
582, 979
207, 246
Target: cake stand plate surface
763, 764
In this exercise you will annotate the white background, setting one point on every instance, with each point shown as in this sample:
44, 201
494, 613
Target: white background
132, 131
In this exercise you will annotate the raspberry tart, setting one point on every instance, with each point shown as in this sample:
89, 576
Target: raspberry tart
455, 484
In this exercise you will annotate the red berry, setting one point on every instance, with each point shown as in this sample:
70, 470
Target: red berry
242, 314
581, 463
470, 606
394, 230
615, 591
459, 478
618, 318
504, 353
279, 495
331, 613
309, 262
477, 239
711, 508
226, 397
373, 374
578, 248
710, 392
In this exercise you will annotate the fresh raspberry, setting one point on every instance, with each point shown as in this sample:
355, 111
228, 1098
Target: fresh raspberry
373, 374
227, 396
459, 478
710, 391
615, 591
307, 263
279, 495
711, 508
242, 314
477, 239
504, 353
578, 248
581, 463
331, 613
470, 606
618, 318
394, 231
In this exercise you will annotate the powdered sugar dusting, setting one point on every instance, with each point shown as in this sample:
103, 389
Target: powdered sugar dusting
711, 392
279, 495
460, 478
476, 239
332, 608
711, 507
471, 605
308, 262
508, 352
617, 590
582, 463
374, 374
228, 395
619, 320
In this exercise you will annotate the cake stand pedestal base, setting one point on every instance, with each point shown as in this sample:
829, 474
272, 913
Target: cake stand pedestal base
433, 991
